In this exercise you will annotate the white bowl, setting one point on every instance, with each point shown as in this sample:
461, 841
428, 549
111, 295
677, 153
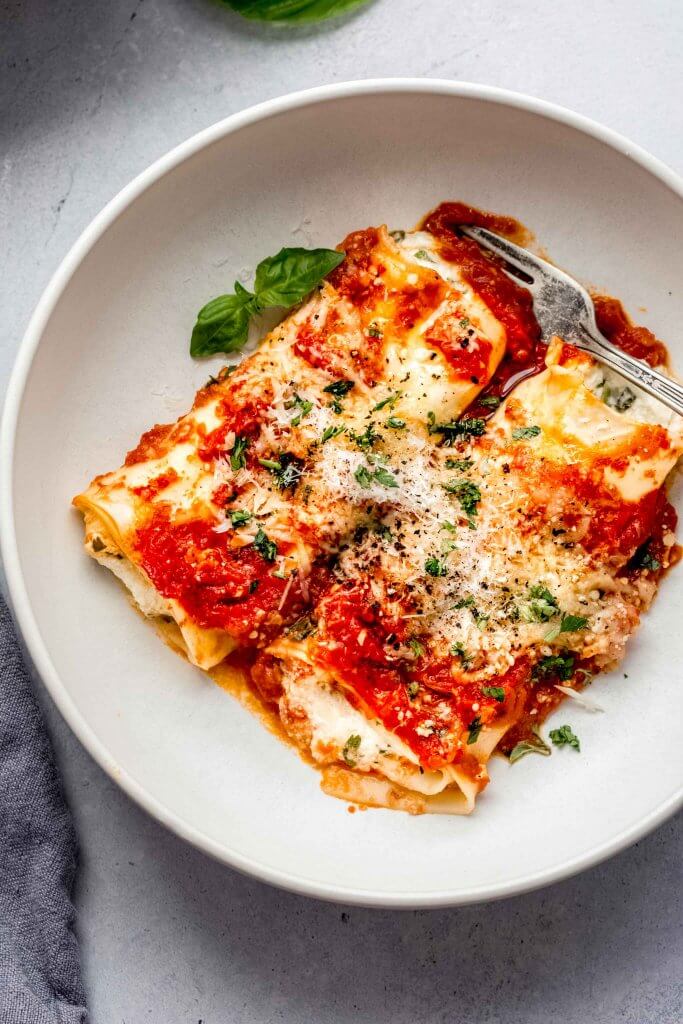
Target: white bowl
106, 355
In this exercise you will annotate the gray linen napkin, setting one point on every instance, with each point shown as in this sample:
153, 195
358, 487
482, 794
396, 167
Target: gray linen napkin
40, 977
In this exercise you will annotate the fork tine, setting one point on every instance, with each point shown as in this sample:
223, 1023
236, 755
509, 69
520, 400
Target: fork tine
522, 259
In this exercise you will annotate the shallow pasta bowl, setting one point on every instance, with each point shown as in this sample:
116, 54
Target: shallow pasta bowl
106, 355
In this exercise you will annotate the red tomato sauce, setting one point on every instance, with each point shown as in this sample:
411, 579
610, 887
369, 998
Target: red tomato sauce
638, 342
219, 586
510, 303
355, 643
241, 415
468, 356
353, 278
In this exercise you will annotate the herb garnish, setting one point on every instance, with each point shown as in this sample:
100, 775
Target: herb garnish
519, 433
473, 729
555, 666
490, 401
467, 493
286, 470
568, 624
339, 388
374, 331
497, 692
542, 605
458, 651
462, 464
367, 439
239, 517
416, 647
435, 567
564, 737
266, 548
395, 423
379, 475
537, 745
467, 427
303, 404
389, 402
351, 749
238, 459
330, 432
281, 280
413, 690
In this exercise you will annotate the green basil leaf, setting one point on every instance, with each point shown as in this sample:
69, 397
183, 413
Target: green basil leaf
223, 324
293, 11
288, 277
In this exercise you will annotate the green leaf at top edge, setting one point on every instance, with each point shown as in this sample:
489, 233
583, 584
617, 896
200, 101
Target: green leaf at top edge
293, 11
223, 323
287, 278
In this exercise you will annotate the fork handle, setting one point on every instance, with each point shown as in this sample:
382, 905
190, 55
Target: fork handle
634, 370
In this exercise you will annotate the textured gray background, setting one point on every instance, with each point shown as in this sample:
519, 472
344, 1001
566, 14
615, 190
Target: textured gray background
91, 91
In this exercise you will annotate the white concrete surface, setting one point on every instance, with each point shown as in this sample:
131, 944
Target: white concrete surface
90, 93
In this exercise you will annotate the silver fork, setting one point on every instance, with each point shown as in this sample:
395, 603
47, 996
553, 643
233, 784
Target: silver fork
564, 308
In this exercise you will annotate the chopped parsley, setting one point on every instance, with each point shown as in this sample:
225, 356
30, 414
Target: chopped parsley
534, 745
473, 730
467, 493
266, 548
569, 624
395, 423
497, 692
520, 433
555, 666
413, 690
542, 605
351, 749
374, 331
238, 458
330, 432
468, 427
379, 475
339, 388
416, 647
468, 602
238, 517
422, 254
303, 405
458, 651
644, 559
389, 402
367, 439
462, 464
490, 401
465, 321
564, 737
435, 567
286, 470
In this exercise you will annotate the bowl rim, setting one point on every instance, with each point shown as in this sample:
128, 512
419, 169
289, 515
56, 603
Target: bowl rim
9, 550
